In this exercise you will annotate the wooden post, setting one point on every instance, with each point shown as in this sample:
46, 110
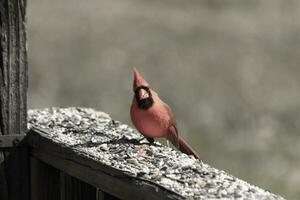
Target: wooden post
13, 91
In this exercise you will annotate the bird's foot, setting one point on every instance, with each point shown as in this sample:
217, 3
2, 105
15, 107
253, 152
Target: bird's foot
150, 140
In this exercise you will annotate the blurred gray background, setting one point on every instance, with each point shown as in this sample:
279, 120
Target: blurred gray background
229, 70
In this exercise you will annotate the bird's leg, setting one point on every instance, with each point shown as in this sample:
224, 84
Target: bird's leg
168, 143
150, 140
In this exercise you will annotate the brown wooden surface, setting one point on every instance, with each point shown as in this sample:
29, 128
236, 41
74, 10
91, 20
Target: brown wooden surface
100, 195
74, 189
106, 178
13, 90
44, 181
49, 183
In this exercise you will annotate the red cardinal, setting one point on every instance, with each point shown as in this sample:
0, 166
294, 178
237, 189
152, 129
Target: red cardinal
153, 118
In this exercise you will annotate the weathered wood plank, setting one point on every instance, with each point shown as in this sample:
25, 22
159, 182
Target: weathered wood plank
44, 181
13, 67
109, 155
13, 100
11, 140
3, 185
104, 196
34, 181
108, 179
50, 184
74, 189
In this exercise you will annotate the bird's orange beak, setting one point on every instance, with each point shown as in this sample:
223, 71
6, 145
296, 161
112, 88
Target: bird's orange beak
138, 79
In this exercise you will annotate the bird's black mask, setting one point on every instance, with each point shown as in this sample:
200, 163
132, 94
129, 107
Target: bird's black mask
143, 103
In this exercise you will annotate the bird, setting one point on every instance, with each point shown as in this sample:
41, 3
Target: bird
153, 118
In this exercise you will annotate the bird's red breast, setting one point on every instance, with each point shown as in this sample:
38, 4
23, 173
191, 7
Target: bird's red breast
153, 122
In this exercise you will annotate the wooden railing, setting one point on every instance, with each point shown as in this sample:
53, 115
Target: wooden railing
95, 156
86, 150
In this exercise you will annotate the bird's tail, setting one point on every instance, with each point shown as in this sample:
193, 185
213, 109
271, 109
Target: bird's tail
181, 144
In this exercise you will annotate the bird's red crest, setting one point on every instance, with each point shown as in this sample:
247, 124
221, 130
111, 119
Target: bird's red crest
138, 79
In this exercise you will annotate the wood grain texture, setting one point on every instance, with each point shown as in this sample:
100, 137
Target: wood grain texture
74, 189
13, 99
105, 178
13, 75
49, 183
45, 181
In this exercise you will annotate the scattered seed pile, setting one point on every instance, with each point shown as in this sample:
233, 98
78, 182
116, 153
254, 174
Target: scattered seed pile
115, 144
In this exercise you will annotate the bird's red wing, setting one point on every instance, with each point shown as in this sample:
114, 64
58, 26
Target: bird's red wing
173, 136
170, 113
